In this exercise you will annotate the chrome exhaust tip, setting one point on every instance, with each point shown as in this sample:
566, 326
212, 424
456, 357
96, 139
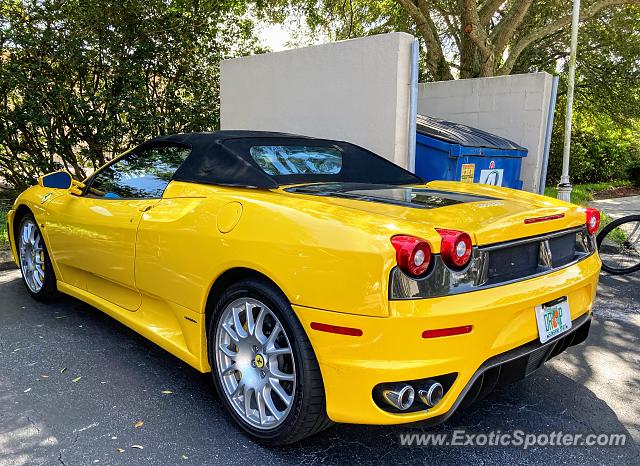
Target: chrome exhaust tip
400, 397
431, 394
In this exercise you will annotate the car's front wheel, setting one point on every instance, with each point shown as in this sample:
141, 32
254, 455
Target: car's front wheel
263, 365
35, 264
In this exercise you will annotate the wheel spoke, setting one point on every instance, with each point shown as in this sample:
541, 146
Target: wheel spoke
227, 328
272, 338
32, 235
248, 394
259, 332
240, 388
251, 324
26, 231
36, 278
227, 351
276, 387
278, 374
271, 405
237, 325
229, 370
261, 407
277, 351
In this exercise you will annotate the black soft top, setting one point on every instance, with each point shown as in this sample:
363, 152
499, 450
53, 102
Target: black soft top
223, 158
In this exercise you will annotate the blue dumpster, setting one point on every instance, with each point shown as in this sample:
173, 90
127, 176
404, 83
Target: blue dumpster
455, 152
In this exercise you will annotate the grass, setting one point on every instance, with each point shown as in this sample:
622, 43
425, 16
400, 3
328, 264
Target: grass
582, 194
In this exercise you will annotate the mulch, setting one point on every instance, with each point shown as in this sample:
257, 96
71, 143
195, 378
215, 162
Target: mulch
613, 193
5, 260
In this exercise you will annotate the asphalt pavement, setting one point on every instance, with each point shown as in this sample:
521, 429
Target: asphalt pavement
79, 388
619, 206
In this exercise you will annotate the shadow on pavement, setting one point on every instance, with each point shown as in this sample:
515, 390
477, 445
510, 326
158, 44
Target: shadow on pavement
47, 417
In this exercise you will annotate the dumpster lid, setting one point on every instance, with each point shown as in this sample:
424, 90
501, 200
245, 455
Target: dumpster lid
456, 133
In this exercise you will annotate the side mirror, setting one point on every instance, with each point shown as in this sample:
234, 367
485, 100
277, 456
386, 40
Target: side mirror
56, 180
61, 180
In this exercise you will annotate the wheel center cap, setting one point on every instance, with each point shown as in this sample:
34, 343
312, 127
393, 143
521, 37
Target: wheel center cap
259, 361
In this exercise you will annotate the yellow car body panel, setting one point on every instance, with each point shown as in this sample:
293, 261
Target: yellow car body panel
151, 264
392, 349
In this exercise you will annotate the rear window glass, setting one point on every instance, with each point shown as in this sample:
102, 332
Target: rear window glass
297, 160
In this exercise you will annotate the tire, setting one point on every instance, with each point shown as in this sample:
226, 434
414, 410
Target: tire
602, 235
294, 367
43, 287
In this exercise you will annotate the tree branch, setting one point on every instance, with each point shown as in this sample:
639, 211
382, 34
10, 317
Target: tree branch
504, 30
488, 9
478, 35
553, 27
435, 57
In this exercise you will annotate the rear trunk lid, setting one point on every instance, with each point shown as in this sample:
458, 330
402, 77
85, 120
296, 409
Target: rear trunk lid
490, 214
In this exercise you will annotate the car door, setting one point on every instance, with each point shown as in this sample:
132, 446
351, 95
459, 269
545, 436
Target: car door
93, 237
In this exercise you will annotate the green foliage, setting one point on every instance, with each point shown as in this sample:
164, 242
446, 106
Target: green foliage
606, 126
582, 194
4, 208
600, 148
83, 80
633, 172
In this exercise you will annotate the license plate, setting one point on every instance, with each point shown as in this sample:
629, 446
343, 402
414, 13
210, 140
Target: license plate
553, 319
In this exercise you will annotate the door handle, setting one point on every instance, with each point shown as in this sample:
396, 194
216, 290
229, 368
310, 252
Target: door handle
145, 208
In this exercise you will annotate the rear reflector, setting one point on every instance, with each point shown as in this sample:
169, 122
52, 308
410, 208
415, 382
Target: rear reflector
447, 332
543, 219
353, 332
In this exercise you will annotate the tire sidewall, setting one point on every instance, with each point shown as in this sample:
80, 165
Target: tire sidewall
282, 309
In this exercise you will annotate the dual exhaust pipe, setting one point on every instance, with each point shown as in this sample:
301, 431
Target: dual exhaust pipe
402, 396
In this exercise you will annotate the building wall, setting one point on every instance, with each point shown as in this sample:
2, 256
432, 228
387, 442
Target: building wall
356, 90
515, 107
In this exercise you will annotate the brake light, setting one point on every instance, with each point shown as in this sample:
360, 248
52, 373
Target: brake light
593, 220
455, 248
546, 218
413, 255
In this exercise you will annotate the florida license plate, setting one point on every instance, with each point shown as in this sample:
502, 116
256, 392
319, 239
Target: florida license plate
553, 319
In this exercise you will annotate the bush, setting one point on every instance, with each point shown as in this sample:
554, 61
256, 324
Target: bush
601, 148
633, 172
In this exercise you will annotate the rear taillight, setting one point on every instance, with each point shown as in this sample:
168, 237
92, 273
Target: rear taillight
593, 220
455, 249
413, 255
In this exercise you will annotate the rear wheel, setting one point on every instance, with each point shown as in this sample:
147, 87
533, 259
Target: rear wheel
35, 265
263, 365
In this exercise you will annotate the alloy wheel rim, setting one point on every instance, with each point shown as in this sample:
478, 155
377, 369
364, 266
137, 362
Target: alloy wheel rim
255, 363
32, 256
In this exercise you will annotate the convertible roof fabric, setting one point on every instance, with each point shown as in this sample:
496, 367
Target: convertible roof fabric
223, 158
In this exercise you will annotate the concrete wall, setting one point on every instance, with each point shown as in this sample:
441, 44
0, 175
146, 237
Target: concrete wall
356, 90
516, 107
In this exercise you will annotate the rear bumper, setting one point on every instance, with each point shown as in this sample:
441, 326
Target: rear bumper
392, 349
515, 365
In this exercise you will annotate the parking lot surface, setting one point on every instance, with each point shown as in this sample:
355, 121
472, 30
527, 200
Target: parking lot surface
79, 388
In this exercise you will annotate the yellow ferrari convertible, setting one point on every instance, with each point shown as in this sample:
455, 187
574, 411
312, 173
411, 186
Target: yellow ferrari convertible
315, 280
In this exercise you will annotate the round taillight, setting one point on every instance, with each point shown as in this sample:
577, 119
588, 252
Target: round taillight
413, 255
455, 249
593, 220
